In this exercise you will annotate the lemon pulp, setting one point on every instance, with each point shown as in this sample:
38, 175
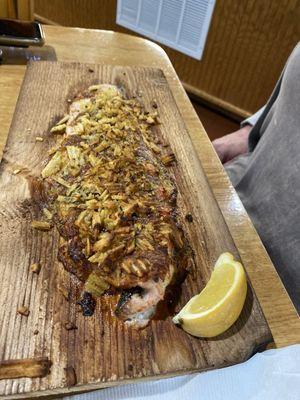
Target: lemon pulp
220, 303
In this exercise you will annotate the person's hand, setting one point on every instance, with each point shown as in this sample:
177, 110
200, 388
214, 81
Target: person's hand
233, 144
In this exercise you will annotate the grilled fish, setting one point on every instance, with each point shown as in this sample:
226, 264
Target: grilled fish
108, 188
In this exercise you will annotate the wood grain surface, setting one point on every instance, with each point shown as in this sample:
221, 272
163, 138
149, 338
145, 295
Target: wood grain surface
102, 350
17, 9
240, 64
27, 367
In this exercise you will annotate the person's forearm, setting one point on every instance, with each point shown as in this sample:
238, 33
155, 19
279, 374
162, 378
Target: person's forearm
244, 133
232, 145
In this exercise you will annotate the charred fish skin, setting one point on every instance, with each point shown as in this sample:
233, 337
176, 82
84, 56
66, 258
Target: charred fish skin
125, 297
87, 304
109, 190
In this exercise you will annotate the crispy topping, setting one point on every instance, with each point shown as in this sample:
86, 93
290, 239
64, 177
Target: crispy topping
36, 267
53, 166
58, 128
168, 159
111, 196
94, 87
41, 225
135, 266
103, 242
63, 120
23, 310
95, 284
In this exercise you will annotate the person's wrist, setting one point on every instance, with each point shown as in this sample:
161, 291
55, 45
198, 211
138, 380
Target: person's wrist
245, 130
241, 143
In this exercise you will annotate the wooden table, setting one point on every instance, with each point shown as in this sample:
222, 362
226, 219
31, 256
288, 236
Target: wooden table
94, 46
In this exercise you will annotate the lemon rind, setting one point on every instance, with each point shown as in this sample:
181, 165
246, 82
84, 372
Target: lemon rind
184, 315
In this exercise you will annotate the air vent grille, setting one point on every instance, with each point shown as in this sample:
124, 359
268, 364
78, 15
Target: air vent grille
180, 24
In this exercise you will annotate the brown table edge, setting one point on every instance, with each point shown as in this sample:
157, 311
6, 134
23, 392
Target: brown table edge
91, 387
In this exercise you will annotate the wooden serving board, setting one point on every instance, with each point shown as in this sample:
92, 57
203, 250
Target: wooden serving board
102, 351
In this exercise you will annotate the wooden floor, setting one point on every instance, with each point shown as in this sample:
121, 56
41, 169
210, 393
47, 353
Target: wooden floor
215, 124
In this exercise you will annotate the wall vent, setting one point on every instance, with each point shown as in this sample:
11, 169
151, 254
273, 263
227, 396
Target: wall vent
179, 24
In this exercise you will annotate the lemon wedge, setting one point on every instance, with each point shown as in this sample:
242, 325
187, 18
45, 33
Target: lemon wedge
220, 303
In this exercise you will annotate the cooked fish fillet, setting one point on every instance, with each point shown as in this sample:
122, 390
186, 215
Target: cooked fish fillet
108, 189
